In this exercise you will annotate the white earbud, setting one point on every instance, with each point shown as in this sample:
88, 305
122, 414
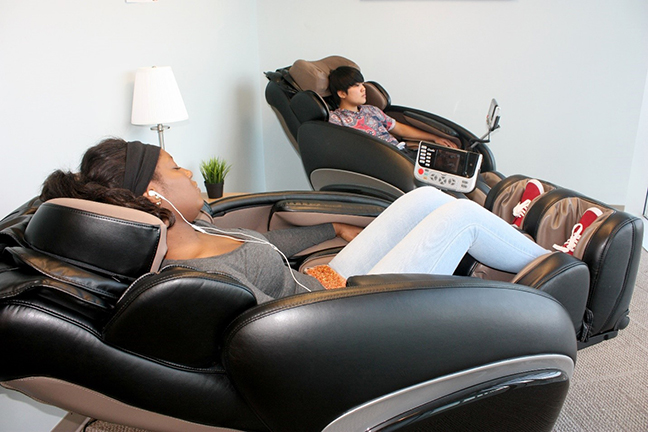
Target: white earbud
155, 194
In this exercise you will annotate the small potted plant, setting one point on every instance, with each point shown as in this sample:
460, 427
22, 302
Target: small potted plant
214, 171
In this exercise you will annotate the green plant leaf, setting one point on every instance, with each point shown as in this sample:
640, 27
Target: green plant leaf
214, 170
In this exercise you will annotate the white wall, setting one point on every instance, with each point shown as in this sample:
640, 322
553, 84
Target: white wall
638, 185
18, 413
66, 81
568, 75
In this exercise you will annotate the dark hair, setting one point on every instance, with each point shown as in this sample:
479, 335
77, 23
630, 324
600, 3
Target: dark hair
341, 79
101, 179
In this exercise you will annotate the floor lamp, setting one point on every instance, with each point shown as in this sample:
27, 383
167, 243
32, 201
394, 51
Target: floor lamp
157, 99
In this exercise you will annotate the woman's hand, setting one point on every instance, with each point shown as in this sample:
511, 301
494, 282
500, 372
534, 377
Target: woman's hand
345, 231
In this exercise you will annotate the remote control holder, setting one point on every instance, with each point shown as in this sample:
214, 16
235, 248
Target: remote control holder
447, 168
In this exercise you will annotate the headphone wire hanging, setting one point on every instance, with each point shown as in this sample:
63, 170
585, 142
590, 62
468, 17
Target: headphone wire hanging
230, 235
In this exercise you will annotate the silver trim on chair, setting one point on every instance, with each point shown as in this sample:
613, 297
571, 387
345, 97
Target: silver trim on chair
323, 177
380, 410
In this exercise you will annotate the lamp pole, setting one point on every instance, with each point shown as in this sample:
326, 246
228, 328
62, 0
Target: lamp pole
160, 130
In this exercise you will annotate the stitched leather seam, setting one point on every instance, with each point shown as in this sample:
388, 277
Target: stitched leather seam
56, 314
368, 289
561, 271
166, 278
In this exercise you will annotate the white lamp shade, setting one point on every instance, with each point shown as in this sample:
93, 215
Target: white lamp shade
156, 97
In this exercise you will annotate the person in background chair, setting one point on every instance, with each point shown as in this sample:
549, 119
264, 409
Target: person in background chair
425, 231
346, 85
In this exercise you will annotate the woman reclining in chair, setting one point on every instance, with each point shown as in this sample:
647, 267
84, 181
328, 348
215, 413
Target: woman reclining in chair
424, 231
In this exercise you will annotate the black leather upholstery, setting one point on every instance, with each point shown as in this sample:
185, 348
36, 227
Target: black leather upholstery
73, 234
178, 316
552, 274
308, 106
415, 311
185, 350
326, 149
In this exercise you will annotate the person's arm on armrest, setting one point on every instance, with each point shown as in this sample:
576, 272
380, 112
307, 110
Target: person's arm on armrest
407, 131
293, 240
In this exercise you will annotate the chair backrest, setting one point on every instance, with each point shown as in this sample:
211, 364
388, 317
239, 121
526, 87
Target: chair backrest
98, 237
314, 76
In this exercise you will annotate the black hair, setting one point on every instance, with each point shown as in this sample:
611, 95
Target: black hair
101, 179
341, 79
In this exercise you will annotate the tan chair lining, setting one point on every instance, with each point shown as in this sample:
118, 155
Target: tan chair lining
510, 197
477, 196
556, 224
375, 97
482, 271
315, 261
313, 75
77, 399
282, 220
491, 178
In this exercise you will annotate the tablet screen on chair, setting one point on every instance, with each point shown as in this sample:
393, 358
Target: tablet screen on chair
447, 168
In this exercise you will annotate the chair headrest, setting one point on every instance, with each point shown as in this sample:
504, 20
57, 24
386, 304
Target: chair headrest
377, 95
313, 75
104, 238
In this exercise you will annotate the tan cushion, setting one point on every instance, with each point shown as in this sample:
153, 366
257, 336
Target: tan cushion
313, 75
375, 97
510, 197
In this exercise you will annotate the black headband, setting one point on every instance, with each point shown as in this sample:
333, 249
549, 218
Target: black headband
141, 160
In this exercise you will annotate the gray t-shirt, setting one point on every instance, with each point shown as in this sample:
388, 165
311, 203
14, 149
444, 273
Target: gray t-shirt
259, 266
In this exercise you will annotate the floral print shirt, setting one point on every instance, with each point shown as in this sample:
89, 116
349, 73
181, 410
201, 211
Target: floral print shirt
369, 119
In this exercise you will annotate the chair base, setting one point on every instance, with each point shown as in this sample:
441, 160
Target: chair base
75, 398
72, 423
598, 339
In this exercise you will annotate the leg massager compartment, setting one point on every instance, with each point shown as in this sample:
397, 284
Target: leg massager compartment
610, 247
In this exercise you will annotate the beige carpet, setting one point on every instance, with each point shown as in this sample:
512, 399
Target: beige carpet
609, 389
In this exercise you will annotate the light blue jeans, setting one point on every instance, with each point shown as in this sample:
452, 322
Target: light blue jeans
428, 231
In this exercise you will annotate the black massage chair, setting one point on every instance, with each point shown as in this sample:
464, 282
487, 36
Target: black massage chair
343, 159
340, 158
611, 248
91, 324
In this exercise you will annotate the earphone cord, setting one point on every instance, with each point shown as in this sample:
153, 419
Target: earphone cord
230, 235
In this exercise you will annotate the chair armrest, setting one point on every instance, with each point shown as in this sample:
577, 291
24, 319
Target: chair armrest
352, 345
302, 212
563, 277
395, 278
178, 315
421, 120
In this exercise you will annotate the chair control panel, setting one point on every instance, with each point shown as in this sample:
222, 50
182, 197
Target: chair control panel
447, 168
